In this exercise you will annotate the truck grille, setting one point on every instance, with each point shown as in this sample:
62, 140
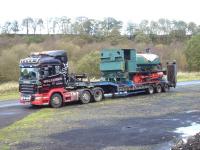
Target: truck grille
28, 88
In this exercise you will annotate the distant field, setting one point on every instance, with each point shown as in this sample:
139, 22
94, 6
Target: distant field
9, 90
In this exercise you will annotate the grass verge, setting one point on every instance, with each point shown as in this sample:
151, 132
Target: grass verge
11, 95
19, 130
188, 76
9, 91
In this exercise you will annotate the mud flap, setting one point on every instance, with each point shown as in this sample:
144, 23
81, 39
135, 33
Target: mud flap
172, 73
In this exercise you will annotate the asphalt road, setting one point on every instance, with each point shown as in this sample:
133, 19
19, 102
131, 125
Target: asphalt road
12, 110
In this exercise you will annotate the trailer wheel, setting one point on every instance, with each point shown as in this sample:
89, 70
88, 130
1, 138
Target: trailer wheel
56, 100
158, 88
97, 94
150, 90
165, 88
85, 97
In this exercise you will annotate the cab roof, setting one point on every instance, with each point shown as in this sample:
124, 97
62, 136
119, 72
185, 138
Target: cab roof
45, 58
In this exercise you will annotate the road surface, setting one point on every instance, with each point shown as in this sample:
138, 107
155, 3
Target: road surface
152, 132
12, 110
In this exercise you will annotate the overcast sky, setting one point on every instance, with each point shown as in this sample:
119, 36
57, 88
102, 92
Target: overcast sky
125, 10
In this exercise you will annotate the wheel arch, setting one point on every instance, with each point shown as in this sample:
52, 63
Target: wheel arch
56, 91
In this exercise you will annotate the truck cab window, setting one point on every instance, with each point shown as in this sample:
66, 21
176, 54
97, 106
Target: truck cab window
57, 69
53, 70
49, 71
44, 72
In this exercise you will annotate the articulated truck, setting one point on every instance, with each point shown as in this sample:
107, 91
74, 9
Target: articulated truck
45, 78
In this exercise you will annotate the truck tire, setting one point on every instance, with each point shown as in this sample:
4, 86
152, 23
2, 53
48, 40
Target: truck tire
56, 100
158, 88
85, 97
165, 88
150, 90
97, 94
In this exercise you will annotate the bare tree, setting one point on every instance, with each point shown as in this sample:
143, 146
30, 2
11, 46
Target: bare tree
64, 24
41, 24
143, 26
96, 28
154, 27
6, 28
48, 25
192, 28
131, 29
34, 25
15, 26
55, 25
27, 22
88, 26
78, 25
110, 23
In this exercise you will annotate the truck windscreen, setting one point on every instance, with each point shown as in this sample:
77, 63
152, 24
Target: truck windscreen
29, 73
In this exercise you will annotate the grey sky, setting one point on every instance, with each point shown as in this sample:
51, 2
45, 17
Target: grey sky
125, 10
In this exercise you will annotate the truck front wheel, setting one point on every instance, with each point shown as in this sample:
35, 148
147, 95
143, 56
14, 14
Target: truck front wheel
85, 97
97, 94
56, 100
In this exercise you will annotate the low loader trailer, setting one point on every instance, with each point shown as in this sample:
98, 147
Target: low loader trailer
45, 79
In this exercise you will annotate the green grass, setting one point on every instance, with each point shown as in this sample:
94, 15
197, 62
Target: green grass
9, 91
11, 95
19, 130
8, 86
5, 147
188, 76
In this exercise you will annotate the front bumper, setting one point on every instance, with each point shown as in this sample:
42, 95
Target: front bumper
34, 99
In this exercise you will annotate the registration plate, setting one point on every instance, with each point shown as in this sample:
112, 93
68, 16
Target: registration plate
26, 97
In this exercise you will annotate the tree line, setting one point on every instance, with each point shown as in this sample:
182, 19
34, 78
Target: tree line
106, 27
84, 37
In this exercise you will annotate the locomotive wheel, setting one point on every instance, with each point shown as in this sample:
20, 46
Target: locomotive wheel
56, 100
85, 97
97, 94
165, 88
158, 88
150, 90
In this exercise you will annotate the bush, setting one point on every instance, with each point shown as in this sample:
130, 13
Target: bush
142, 38
89, 64
9, 86
193, 53
9, 60
34, 39
83, 51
